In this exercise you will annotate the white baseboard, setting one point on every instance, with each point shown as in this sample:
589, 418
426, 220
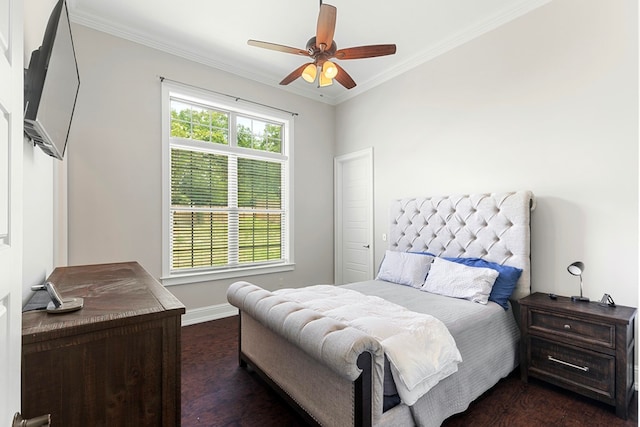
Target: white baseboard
205, 314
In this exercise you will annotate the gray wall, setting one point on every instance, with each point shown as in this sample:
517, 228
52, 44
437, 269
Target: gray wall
114, 157
549, 103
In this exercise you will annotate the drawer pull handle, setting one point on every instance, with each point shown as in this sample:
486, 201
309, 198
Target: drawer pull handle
567, 326
582, 368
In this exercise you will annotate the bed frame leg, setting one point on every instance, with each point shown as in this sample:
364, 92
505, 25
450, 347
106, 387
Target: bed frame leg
363, 405
241, 362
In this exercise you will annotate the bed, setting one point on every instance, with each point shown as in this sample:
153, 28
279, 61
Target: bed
337, 373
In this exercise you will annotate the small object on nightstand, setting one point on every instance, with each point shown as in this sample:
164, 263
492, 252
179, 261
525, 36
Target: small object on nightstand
607, 301
553, 296
576, 269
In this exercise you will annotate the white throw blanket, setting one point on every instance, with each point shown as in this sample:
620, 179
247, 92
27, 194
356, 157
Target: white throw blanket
420, 349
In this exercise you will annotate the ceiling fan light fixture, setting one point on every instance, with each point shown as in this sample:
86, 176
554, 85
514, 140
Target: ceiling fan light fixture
321, 48
309, 73
329, 69
324, 80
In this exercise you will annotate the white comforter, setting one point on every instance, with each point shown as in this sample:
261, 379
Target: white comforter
420, 349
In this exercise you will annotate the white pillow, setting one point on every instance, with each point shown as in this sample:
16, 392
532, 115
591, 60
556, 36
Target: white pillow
405, 268
460, 281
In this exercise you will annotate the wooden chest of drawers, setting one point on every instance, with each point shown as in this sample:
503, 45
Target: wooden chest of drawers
116, 362
583, 347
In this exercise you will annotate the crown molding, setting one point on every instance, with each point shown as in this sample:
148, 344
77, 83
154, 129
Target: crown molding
506, 15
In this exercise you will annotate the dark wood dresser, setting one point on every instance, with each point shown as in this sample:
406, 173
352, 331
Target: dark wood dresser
115, 362
583, 347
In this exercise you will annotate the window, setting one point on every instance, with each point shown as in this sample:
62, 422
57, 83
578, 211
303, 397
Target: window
226, 187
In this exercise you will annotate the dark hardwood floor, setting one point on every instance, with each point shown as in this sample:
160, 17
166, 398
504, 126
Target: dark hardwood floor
217, 392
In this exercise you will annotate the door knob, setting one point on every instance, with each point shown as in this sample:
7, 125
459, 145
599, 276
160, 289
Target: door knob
365, 246
42, 420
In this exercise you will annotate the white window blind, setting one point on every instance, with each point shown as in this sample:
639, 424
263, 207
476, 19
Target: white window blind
228, 203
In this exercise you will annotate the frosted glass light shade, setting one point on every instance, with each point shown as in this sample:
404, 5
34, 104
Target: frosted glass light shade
325, 81
329, 69
309, 73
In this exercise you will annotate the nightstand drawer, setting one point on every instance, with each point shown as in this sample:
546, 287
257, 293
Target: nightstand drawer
591, 372
571, 327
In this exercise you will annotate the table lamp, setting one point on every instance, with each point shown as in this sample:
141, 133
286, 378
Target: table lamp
576, 269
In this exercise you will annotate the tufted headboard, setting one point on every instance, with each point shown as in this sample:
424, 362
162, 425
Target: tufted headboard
495, 227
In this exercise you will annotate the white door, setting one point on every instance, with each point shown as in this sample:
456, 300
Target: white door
354, 217
11, 146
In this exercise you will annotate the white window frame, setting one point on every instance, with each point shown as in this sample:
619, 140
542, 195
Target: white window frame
225, 103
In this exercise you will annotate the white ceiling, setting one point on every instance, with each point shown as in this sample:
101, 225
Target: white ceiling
215, 33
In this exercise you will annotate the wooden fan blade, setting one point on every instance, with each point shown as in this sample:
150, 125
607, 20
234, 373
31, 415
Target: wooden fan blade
344, 78
366, 51
278, 47
294, 74
326, 26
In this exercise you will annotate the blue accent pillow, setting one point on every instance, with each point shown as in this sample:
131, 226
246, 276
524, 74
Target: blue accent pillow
504, 284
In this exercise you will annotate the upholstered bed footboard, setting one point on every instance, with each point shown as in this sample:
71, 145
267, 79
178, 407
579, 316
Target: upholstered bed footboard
316, 361
308, 384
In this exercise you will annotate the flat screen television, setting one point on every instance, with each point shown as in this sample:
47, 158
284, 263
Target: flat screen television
51, 86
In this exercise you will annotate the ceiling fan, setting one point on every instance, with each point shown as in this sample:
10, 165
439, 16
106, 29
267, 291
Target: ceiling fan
321, 49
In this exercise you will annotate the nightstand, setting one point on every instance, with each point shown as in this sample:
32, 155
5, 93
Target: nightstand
580, 346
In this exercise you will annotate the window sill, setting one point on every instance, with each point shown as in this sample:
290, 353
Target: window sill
208, 276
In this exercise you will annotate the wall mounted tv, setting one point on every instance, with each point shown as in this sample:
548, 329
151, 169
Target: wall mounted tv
51, 86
